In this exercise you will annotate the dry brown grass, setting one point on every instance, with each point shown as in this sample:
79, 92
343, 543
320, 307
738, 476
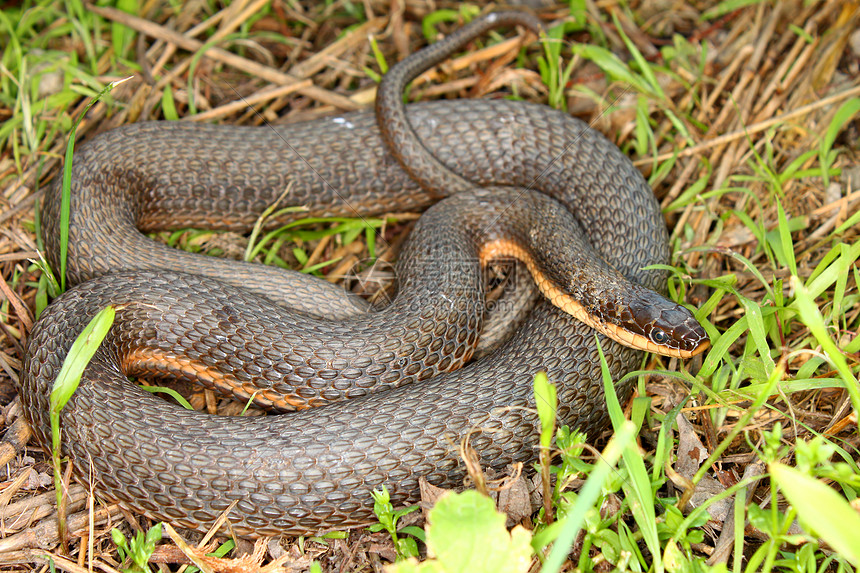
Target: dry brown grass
766, 89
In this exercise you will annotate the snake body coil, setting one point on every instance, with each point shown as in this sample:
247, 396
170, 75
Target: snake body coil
306, 471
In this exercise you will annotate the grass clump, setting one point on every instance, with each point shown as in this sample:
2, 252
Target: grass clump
138, 549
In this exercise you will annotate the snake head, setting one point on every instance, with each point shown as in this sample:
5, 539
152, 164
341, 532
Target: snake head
656, 324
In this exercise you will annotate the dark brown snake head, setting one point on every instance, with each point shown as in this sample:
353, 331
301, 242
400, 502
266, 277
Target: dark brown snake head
630, 314
661, 326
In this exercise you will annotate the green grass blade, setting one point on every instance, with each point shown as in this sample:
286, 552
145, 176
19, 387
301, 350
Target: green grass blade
721, 346
644, 66
612, 66
170, 392
843, 115
65, 385
822, 510
638, 485
758, 331
785, 238
318, 266
844, 263
66, 200
588, 496
168, 104
811, 317
378, 56
850, 222
826, 274
79, 356
546, 402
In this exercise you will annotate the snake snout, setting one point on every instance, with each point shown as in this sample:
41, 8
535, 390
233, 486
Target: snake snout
684, 331
666, 327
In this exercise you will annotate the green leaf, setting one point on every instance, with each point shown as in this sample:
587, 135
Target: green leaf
850, 222
66, 198
822, 510
546, 401
466, 533
168, 105
79, 356
843, 115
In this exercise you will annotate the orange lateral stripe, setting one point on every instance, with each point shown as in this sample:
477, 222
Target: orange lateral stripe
507, 248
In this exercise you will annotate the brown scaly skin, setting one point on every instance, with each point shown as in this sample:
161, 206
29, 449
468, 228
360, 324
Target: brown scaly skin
311, 470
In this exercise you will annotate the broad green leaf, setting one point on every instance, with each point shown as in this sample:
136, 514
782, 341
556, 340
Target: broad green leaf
822, 510
79, 356
466, 534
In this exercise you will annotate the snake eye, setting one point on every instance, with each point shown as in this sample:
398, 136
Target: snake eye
659, 337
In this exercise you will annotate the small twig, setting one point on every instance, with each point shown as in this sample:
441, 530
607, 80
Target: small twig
44, 534
221, 55
243, 103
42, 557
14, 441
20, 308
19, 256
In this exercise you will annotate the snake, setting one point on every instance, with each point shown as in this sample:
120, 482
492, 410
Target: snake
394, 391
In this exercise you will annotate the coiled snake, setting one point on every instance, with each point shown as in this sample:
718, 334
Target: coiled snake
203, 319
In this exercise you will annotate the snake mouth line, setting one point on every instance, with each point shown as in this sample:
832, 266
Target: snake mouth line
564, 301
